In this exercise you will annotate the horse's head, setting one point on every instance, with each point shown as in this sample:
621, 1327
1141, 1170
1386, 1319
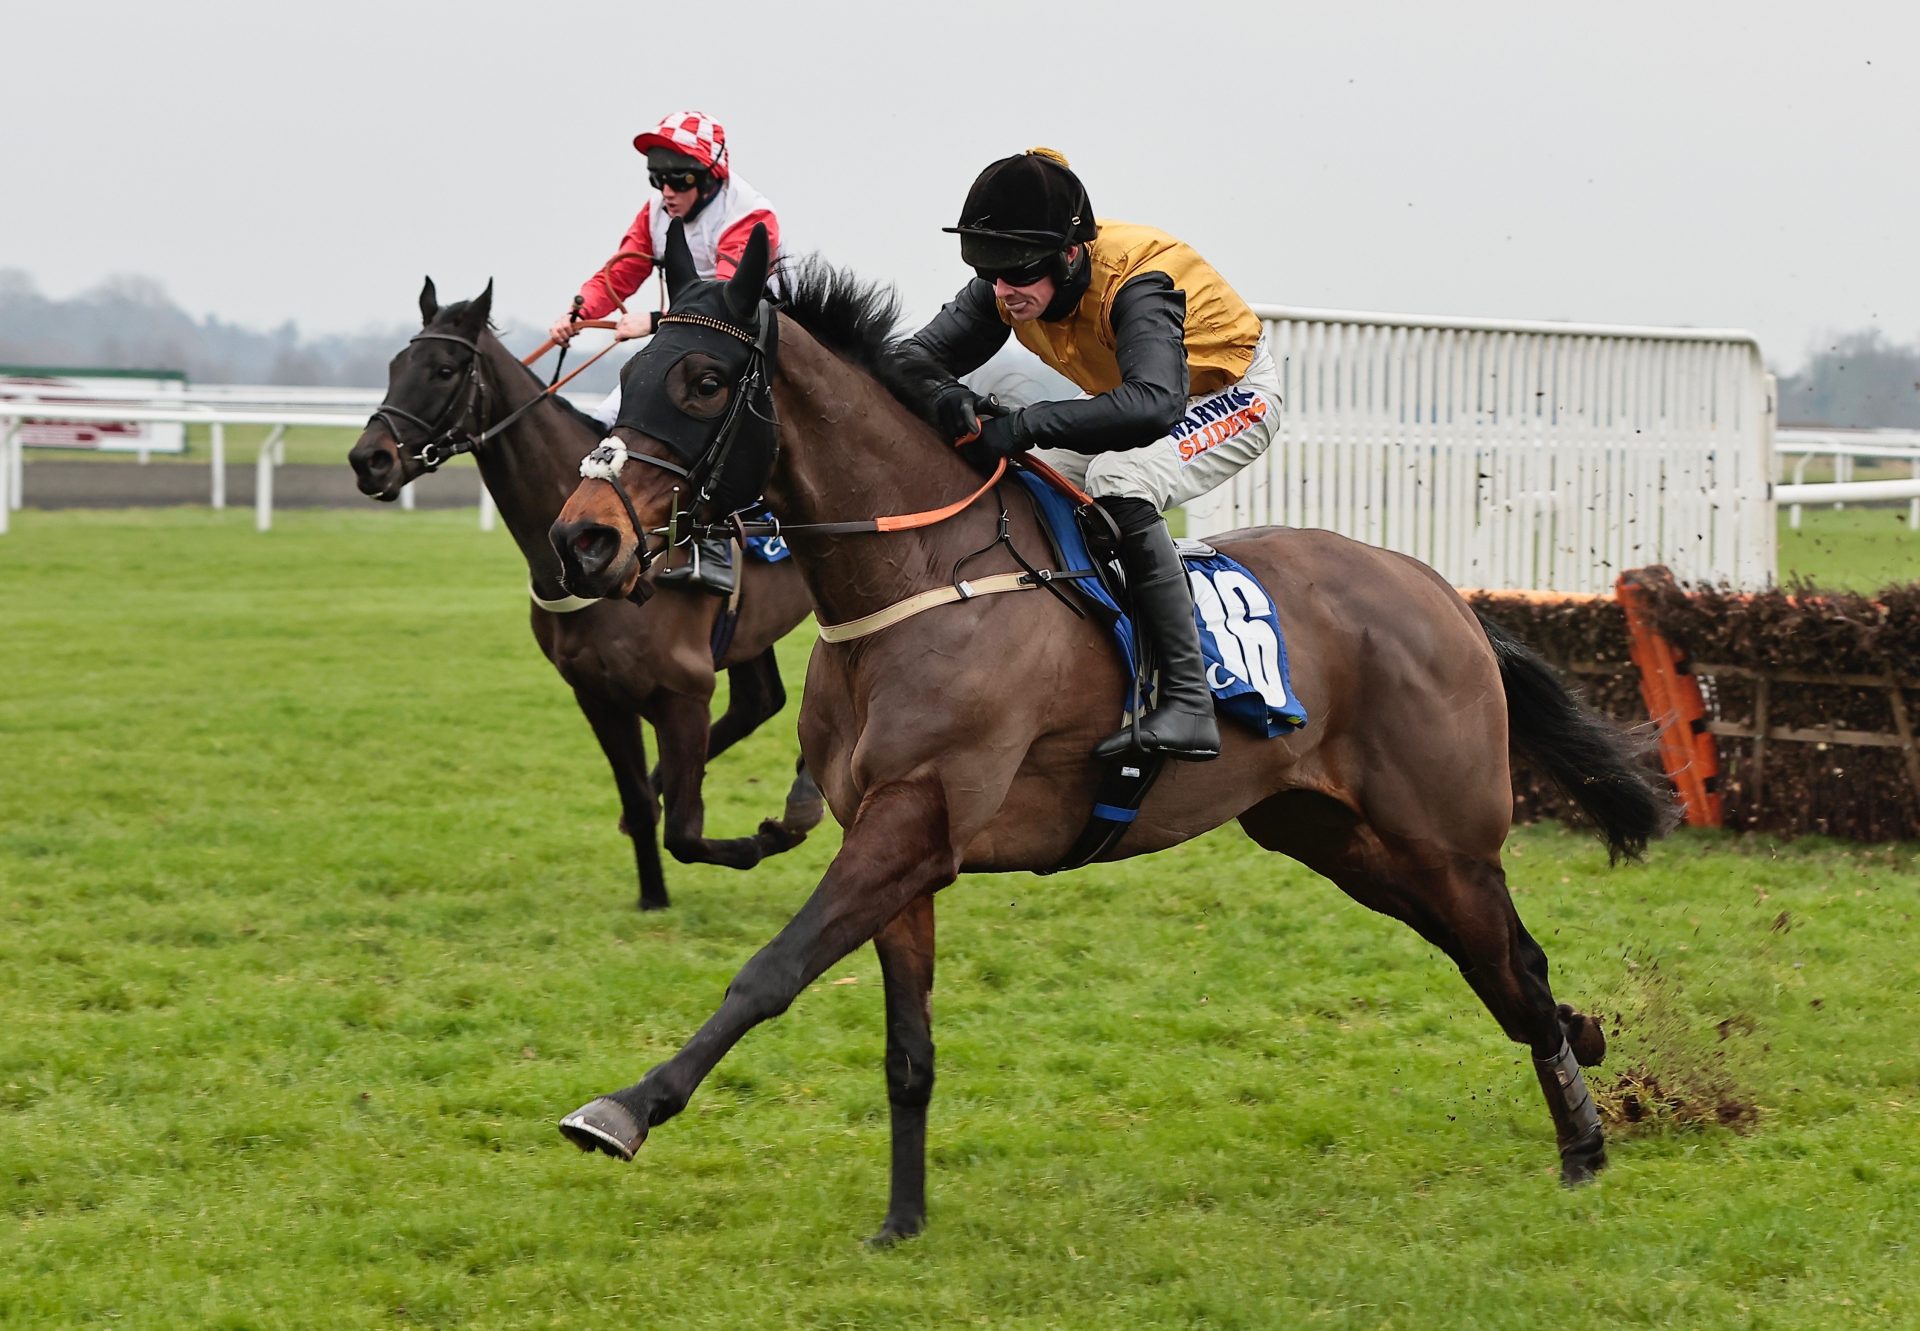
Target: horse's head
695, 439
434, 389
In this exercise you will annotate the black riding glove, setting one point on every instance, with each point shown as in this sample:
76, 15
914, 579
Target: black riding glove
1000, 437
956, 411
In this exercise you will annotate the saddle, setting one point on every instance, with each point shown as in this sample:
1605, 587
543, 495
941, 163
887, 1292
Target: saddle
1238, 628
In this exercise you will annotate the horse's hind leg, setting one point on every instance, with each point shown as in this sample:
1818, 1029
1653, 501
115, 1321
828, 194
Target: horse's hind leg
1460, 904
1508, 969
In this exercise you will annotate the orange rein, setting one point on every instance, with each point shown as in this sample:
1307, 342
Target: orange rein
929, 517
550, 344
908, 521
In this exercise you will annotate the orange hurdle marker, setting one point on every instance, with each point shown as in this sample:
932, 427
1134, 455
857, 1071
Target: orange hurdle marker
1687, 750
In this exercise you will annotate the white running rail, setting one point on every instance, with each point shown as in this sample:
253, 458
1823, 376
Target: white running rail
214, 407
1517, 454
1844, 447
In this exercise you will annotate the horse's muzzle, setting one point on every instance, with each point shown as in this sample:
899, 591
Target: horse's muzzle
592, 560
376, 470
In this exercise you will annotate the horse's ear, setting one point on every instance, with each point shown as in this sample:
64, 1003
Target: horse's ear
681, 273
749, 280
480, 308
429, 303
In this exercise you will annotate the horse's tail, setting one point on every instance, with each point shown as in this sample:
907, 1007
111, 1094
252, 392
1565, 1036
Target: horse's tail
1594, 762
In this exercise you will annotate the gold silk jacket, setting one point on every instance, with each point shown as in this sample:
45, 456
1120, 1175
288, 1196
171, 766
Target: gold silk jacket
1221, 330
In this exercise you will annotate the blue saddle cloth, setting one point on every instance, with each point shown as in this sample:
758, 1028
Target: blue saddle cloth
767, 549
1239, 630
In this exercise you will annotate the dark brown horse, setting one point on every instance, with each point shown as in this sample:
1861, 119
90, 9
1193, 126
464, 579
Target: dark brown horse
957, 740
624, 661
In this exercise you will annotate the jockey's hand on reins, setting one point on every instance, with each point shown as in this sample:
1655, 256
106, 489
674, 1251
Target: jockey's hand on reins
958, 411
998, 434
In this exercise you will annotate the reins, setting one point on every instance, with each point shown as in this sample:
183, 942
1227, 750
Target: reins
541, 350
704, 472
861, 526
441, 444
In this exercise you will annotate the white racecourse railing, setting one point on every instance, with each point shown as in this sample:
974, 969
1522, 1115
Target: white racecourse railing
213, 406
1522, 455
272, 450
1844, 447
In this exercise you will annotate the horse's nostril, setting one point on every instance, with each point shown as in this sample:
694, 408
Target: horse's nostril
594, 548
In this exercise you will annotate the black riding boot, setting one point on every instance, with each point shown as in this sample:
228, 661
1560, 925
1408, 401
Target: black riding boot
1181, 724
709, 567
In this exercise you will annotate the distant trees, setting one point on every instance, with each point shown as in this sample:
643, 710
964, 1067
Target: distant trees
131, 323
1860, 379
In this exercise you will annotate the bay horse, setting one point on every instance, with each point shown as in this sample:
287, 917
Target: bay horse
624, 661
957, 740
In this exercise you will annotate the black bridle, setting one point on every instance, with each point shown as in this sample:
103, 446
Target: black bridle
447, 438
707, 473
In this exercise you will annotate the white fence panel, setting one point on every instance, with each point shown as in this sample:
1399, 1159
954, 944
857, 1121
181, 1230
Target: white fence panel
1509, 454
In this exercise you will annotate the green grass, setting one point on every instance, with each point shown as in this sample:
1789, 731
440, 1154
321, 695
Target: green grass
1855, 548
313, 919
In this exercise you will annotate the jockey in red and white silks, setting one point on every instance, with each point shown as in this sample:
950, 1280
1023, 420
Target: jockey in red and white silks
688, 162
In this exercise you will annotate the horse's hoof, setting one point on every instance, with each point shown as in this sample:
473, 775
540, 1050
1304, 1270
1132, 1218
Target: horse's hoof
605, 1125
1576, 1174
895, 1231
1583, 1160
804, 816
776, 838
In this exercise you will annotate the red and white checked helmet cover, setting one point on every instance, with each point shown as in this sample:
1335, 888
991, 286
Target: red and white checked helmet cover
697, 135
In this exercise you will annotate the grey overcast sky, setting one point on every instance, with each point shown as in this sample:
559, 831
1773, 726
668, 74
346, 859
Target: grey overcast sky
1752, 165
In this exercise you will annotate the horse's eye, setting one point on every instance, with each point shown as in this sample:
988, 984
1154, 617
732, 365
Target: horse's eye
443, 372
707, 385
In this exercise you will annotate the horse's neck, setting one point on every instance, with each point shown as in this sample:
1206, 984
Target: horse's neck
532, 466
849, 450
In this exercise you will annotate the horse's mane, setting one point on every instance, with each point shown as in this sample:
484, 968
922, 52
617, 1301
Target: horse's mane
456, 313
860, 320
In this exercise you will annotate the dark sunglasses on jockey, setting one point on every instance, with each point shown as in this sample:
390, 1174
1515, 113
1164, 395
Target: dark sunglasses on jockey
1024, 276
678, 181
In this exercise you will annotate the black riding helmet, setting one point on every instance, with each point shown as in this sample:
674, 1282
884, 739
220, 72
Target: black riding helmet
1022, 209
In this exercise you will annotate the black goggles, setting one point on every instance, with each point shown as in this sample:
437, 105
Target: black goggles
679, 181
1024, 276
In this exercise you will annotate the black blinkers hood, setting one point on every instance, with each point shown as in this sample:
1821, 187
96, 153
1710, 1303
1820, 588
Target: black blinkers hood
732, 326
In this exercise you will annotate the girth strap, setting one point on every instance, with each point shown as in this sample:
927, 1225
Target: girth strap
913, 605
564, 605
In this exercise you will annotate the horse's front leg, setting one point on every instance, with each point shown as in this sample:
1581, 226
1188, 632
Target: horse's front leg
906, 964
680, 723
899, 848
618, 730
754, 695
